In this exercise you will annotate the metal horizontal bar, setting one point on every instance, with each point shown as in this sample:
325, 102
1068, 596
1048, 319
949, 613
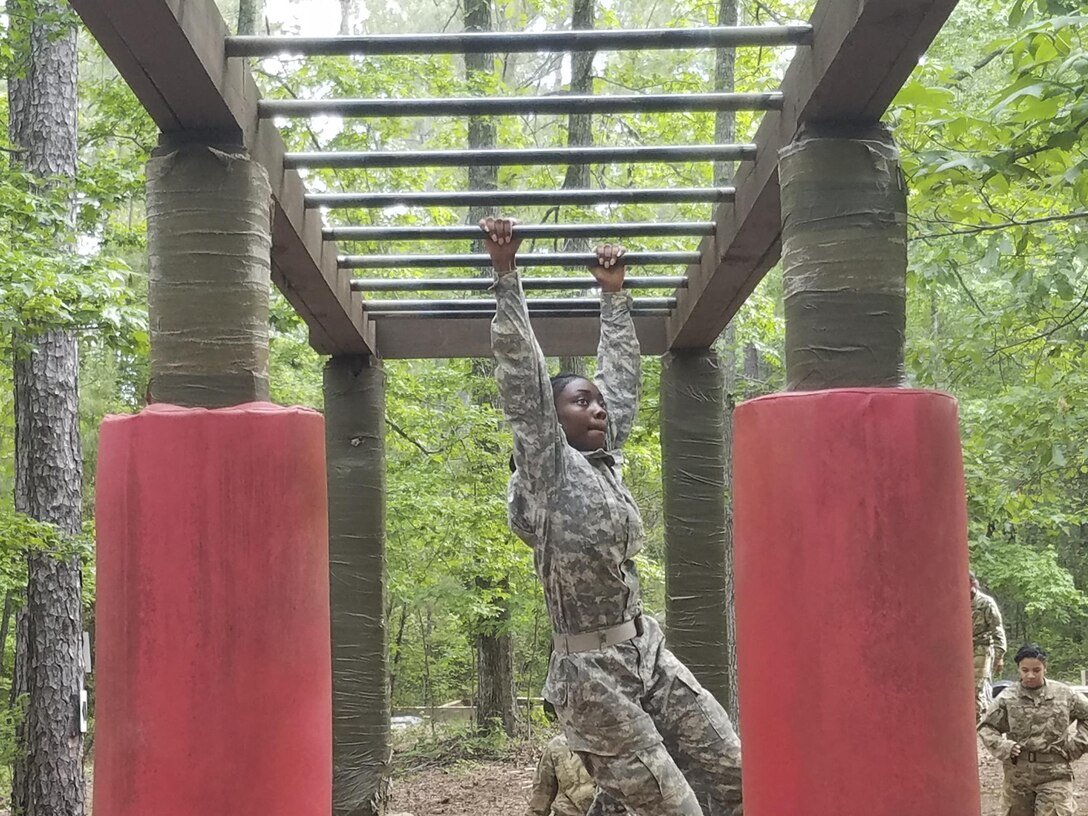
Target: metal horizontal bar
524, 198
527, 283
508, 157
488, 304
521, 42
469, 232
521, 105
438, 314
532, 259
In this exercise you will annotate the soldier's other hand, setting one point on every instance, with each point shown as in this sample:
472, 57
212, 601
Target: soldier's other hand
500, 242
610, 269
1015, 750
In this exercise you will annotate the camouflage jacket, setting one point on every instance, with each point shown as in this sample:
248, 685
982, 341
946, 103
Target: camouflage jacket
571, 507
562, 785
986, 626
1037, 719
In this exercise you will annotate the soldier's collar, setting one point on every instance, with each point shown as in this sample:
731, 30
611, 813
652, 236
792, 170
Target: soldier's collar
1045, 691
610, 458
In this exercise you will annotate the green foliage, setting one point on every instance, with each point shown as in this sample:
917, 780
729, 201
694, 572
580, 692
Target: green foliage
420, 748
993, 129
45, 282
994, 137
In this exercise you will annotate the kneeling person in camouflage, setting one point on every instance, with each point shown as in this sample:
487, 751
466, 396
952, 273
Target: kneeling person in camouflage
1027, 728
561, 785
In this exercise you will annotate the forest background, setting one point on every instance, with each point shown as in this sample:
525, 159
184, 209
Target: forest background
993, 127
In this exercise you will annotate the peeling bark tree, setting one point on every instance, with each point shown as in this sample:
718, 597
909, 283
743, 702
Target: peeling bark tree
249, 15
48, 778
347, 11
579, 134
495, 701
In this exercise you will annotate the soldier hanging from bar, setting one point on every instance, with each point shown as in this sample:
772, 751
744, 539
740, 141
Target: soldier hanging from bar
649, 734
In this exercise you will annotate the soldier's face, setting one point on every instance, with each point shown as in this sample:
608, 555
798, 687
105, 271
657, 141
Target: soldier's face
582, 414
1032, 672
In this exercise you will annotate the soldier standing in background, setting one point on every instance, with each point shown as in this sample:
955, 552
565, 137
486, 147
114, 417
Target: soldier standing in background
1027, 728
988, 639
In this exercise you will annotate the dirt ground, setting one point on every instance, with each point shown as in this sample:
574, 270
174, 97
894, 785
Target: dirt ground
502, 789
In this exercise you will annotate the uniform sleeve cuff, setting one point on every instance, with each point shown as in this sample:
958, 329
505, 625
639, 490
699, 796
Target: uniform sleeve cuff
615, 302
504, 281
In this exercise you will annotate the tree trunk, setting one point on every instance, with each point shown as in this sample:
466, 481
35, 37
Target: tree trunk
580, 125
495, 700
5, 625
480, 71
19, 798
249, 15
48, 459
579, 134
725, 127
346, 11
398, 645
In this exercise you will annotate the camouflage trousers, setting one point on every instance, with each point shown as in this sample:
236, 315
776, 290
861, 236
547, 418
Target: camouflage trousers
984, 665
1039, 789
655, 741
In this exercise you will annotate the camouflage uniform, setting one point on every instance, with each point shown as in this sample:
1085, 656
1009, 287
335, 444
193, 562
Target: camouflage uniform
562, 785
988, 639
1040, 783
633, 712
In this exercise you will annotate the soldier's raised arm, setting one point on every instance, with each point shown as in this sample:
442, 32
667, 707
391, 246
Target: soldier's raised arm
520, 369
619, 368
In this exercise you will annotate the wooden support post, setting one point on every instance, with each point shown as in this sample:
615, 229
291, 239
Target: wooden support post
209, 211
851, 521
697, 539
354, 437
844, 257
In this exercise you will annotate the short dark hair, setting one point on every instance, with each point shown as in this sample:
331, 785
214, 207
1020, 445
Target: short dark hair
562, 380
1030, 650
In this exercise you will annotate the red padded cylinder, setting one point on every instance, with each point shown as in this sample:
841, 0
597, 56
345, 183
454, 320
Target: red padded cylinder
213, 665
853, 612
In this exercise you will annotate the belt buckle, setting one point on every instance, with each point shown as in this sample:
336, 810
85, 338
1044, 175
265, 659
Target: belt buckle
1032, 756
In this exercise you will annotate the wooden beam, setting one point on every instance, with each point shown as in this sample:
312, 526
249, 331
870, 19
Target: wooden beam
862, 53
423, 338
172, 55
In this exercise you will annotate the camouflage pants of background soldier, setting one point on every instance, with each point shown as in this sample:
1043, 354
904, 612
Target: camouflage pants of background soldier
1039, 789
984, 665
650, 735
